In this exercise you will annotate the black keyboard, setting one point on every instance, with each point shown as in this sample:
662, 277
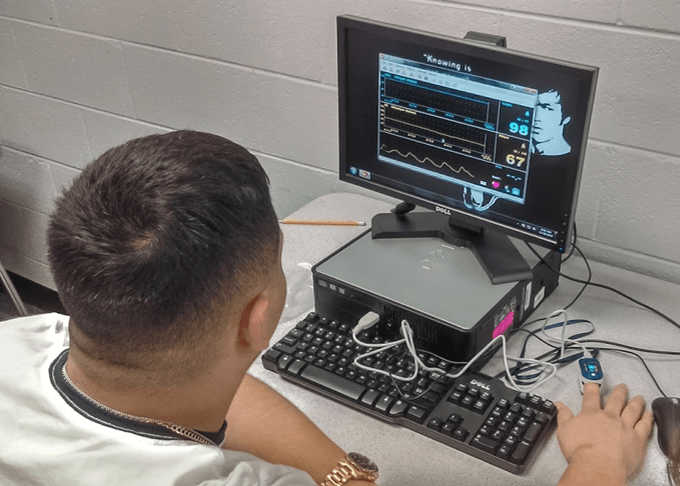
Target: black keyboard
474, 413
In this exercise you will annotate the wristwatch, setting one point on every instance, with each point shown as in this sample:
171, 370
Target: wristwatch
353, 466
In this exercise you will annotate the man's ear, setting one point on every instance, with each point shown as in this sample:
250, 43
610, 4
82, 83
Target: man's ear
253, 329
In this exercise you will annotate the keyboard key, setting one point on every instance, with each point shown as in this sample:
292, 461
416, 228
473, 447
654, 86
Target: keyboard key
295, 367
335, 383
511, 441
398, 409
548, 406
522, 422
466, 402
498, 435
504, 451
284, 348
529, 413
383, 404
460, 434
370, 397
435, 424
448, 428
289, 340
535, 402
456, 397
485, 443
455, 418
497, 412
330, 366
520, 453
541, 418
272, 355
510, 417
479, 406
416, 414
284, 361
532, 432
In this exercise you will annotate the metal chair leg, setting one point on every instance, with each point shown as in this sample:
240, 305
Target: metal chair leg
13, 294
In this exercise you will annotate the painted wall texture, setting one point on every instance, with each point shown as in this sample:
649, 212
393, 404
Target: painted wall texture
79, 76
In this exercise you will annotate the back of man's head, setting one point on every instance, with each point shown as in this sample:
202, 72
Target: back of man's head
151, 236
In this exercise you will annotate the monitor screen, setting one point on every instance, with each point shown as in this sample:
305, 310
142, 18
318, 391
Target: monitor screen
491, 137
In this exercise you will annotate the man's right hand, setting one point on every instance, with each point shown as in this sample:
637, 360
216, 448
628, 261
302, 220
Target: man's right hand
603, 445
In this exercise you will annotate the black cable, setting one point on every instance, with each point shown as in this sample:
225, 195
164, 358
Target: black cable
619, 347
570, 322
644, 363
528, 380
634, 348
606, 287
587, 282
622, 348
520, 368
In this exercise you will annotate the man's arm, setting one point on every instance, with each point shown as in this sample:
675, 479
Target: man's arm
603, 445
265, 424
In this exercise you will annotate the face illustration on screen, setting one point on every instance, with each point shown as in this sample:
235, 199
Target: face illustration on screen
549, 122
547, 140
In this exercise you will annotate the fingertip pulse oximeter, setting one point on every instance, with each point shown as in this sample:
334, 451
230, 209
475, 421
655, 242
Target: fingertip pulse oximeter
590, 372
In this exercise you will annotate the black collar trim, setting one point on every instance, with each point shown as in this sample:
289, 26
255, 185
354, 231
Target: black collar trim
104, 417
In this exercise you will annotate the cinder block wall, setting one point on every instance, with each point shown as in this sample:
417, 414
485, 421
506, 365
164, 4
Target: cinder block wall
79, 76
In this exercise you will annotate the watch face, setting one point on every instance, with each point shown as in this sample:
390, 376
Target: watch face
362, 462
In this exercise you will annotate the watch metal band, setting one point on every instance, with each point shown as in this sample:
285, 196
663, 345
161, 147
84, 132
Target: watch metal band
346, 470
339, 476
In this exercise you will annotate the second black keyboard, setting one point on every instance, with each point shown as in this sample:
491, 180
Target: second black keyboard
474, 413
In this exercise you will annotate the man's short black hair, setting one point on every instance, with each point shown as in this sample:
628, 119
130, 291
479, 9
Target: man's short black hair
155, 231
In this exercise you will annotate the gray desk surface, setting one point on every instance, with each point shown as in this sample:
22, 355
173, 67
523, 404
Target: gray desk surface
407, 458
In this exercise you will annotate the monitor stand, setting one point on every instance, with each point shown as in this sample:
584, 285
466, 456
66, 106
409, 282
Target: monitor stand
495, 252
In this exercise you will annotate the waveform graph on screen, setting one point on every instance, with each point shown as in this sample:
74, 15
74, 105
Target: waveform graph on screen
425, 161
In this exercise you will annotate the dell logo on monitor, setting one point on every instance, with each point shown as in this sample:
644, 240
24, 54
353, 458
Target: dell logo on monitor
442, 210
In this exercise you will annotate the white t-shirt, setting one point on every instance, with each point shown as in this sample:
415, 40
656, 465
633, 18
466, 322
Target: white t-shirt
47, 438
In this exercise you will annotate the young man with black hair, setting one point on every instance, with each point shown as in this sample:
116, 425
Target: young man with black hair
166, 253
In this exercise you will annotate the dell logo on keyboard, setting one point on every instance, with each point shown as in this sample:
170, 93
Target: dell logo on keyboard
442, 210
480, 385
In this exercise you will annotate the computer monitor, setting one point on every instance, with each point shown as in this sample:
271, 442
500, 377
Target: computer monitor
490, 140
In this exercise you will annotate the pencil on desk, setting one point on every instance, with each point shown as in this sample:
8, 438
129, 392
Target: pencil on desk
322, 222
